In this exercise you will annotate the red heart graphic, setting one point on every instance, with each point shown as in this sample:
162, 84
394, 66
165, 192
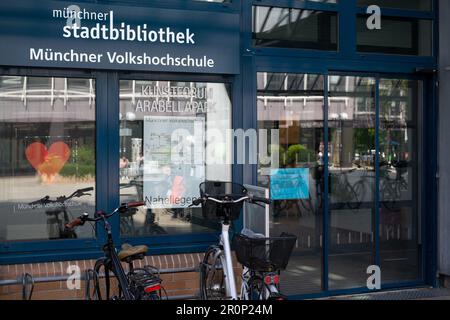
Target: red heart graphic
48, 162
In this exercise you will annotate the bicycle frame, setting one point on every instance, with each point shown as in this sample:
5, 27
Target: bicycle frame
228, 265
112, 259
223, 251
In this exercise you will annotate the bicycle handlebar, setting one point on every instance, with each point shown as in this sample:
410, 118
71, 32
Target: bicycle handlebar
135, 204
101, 215
42, 200
251, 199
74, 223
86, 189
77, 193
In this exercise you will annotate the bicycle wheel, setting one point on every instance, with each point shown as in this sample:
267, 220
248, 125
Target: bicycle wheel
212, 278
337, 196
307, 205
278, 207
356, 195
388, 196
91, 282
103, 287
257, 289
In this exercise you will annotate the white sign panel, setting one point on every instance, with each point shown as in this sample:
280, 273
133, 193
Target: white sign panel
174, 162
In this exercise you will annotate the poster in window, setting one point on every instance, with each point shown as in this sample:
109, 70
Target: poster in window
174, 163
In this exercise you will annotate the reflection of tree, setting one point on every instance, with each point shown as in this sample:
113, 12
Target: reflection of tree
395, 111
364, 140
298, 153
295, 153
81, 163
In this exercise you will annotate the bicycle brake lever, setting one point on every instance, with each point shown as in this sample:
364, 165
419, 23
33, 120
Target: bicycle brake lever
84, 194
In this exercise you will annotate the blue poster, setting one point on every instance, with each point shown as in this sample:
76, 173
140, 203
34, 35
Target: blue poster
290, 183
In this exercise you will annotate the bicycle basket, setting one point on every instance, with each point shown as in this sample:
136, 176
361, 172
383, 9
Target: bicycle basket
264, 254
221, 190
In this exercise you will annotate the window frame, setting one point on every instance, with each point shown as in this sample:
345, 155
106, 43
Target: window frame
247, 12
299, 48
347, 12
50, 250
403, 14
433, 7
191, 242
107, 176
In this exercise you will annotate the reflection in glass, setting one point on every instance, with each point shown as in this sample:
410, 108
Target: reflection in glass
292, 105
222, 1
406, 36
294, 28
172, 138
351, 121
47, 148
399, 194
399, 4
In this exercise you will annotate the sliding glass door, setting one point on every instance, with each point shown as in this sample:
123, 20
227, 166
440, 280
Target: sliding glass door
400, 182
351, 164
291, 106
362, 139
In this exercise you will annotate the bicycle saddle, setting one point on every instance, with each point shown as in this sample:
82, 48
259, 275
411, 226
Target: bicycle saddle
130, 252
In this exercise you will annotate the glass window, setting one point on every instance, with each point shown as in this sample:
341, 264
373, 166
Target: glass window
400, 109
399, 4
398, 35
47, 148
173, 136
351, 120
294, 28
290, 109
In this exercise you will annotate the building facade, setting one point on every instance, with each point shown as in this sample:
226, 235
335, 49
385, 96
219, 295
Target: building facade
330, 107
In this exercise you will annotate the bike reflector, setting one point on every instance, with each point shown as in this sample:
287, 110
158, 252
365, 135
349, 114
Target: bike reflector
152, 288
276, 279
272, 279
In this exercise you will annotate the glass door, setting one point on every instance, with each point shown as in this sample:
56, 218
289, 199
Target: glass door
369, 214
291, 107
358, 179
351, 167
400, 182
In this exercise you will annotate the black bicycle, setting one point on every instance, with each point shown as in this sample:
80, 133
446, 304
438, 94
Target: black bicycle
136, 284
346, 193
58, 213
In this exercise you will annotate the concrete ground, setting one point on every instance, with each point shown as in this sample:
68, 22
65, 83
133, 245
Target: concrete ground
405, 294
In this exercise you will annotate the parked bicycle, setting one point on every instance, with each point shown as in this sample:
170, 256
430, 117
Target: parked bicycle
263, 260
391, 189
224, 200
137, 283
58, 214
346, 193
